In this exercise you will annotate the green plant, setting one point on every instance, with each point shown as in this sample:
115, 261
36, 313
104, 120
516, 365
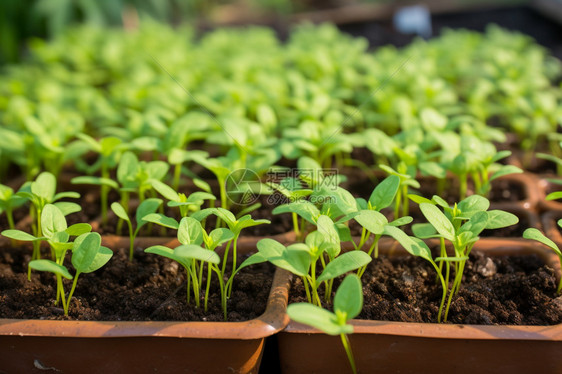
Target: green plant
192, 256
87, 256
348, 303
186, 204
534, 234
406, 181
109, 149
56, 232
460, 225
8, 202
148, 206
321, 248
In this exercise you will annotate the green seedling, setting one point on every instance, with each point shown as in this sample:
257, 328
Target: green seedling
461, 225
148, 206
534, 234
109, 149
8, 202
293, 191
348, 303
186, 204
370, 218
401, 204
40, 193
88, 255
55, 232
302, 259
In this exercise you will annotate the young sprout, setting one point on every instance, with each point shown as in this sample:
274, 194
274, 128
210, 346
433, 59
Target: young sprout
186, 204
293, 191
461, 225
42, 192
302, 259
534, 234
55, 231
109, 149
406, 181
8, 202
348, 303
148, 206
187, 255
87, 256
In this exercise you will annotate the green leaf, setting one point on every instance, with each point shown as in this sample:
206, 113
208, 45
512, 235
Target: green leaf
349, 296
165, 190
220, 236
401, 221
372, 221
342, 264
67, 207
303, 208
424, 231
45, 186
383, 195
87, 253
438, 220
78, 229
160, 250
256, 258
119, 211
190, 231
52, 220
318, 318
66, 195
95, 181
50, 266
473, 204
554, 195
419, 199
505, 170
498, 219
476, 224
145, 208
197, 253
21, 235
327, 229
413, 245
534, 234
161, 220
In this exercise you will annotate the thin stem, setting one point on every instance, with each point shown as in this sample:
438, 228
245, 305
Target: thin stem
234, 255
405, 203
296, 225
349, 352
208, 285
70, 294
307, 290
225, 258
60, 290
131, 241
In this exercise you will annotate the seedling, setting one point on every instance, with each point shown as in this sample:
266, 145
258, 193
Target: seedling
55, 231
406, 181
348, 303
186, 204
460, 225
87, 256
8, 202
145, 208
302, 259
534, 234
109, 149
42, 192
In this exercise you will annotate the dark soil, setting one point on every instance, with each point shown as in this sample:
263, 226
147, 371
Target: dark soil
515, 290
149, 288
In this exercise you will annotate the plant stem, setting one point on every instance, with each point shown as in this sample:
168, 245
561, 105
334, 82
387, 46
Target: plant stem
131, 241
177, 175
296, 225
70, 294
305, 282
234, 255
405, 203
60, 290
208, 285
225, 258
349, 352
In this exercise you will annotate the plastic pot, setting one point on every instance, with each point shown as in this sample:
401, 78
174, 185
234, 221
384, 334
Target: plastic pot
108, 347
399, 347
